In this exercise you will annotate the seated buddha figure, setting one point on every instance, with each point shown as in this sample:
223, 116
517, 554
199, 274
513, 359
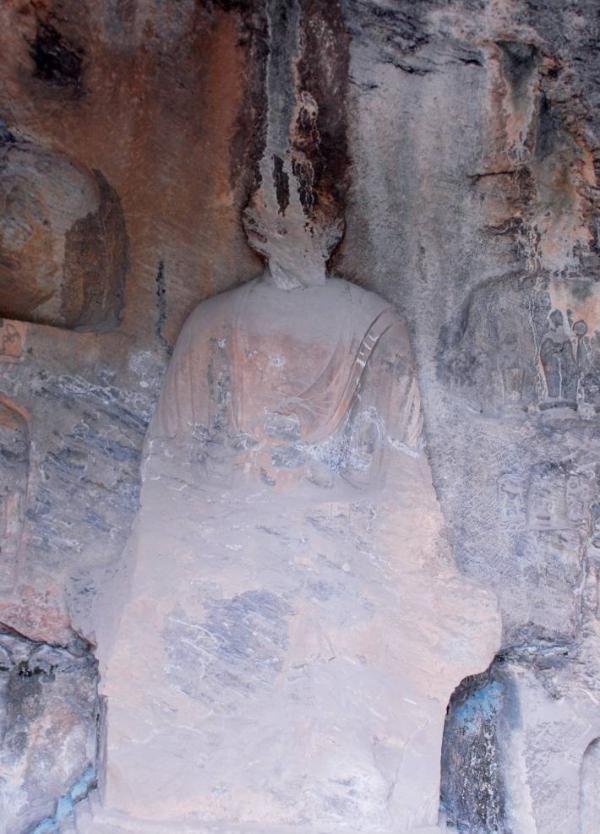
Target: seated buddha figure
293, 625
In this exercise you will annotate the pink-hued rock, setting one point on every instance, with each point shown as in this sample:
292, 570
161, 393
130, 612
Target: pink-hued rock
294, 627
455, 147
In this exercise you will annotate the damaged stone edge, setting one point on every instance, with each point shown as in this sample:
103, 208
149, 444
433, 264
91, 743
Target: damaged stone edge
65, 804
88, 781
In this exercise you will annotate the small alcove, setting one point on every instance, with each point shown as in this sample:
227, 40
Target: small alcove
63, 242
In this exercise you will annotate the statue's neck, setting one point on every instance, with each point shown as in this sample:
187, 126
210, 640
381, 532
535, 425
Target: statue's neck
292, 279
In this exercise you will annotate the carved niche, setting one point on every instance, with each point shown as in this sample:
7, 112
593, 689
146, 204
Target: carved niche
523, 344
63, 242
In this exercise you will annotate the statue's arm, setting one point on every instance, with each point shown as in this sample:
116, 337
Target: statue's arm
407, 428
184, 400
392, 387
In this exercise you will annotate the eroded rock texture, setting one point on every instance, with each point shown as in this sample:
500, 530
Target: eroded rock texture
457, 145
520, 744
64, 243
48, 731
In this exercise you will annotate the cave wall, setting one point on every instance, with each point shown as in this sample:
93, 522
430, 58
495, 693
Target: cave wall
123, 173
126, 149
479, 224
129, 144
473, 203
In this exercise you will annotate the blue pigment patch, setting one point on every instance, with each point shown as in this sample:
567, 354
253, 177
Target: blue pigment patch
472, 788
65, 805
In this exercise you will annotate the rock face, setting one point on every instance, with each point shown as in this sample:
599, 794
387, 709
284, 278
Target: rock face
48, 731
143, 145
535, 709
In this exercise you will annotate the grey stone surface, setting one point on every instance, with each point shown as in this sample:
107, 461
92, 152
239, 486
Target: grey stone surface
480, 226
48, 732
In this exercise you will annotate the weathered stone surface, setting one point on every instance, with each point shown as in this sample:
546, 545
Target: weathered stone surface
459, 140
64, 242
92, 95
48, 732
480, 351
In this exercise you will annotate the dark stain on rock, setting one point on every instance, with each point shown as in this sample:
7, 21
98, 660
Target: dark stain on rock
249, 139
282, 184
240, 646
96, 263
305, 180
161, 304
519, 62
248, 627
234, 5
57, 61
548, 129
307, 140
95, 465
7, 137
323, 71
472, 787
400, 31
161, 300
405, 24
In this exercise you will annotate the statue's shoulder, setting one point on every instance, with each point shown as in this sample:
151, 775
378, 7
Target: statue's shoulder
212, 313
375, 313
360, 297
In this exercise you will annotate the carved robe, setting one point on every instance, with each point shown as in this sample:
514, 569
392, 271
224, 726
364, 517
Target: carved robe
293, 628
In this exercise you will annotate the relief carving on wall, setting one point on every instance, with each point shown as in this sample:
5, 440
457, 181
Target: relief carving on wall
14, 474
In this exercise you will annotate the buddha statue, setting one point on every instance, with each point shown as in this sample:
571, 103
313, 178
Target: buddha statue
294, 625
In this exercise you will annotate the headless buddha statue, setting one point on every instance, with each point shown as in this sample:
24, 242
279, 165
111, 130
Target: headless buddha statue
293, 631
294, 626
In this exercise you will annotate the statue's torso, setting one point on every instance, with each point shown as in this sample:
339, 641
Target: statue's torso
304, 387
